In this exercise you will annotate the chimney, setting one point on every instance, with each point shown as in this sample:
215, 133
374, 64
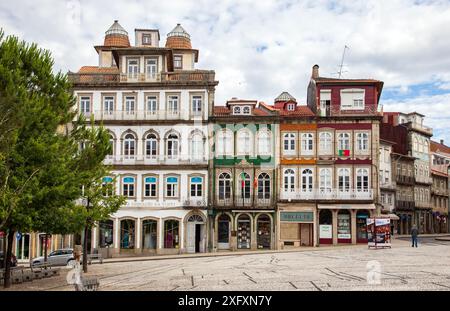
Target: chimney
315, 71
442, 141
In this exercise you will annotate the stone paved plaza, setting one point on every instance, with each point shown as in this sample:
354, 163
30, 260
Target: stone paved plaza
337, 268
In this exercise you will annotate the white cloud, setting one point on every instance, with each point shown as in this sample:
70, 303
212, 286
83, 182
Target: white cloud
402, 42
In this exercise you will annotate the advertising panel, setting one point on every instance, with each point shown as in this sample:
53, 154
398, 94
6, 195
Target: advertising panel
379, 232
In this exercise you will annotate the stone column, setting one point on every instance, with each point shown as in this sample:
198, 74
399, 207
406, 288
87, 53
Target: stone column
116, 234
335, 231
94, 237
138, 236
353, 225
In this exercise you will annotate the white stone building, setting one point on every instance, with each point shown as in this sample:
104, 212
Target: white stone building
155, 105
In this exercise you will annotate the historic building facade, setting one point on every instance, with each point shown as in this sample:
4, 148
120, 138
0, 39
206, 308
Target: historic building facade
395, 136
155, 105
440, 163
243, 176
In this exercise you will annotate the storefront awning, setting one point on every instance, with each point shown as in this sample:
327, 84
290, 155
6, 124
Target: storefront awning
346, 206
390, 216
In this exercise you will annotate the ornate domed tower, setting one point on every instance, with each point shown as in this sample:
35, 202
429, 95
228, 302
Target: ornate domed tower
178, 38
116, 36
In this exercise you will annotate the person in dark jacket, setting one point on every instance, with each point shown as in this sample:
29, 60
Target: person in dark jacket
414, 234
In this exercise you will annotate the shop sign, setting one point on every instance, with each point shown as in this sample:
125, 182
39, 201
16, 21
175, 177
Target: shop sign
297, 216
325, 231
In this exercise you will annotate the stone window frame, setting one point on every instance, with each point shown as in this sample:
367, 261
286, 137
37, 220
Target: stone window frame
144, 197
167, 175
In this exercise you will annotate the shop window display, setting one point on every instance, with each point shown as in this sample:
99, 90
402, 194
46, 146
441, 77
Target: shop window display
244, 232
171, 234
127, 234
264, 230
344, 226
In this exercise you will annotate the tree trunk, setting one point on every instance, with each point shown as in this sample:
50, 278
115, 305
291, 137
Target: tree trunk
45, 247
7, 279
85, 238
4, 249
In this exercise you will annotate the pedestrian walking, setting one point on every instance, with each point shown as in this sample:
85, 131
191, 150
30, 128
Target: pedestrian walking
414, 234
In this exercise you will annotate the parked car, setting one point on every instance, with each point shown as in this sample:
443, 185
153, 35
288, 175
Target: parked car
2, 260
59, 257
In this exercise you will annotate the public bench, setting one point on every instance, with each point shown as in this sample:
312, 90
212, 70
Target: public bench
88, 285
92, 257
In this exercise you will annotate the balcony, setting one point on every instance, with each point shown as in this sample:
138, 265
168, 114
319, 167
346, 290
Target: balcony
421, 128
194, 76
331, 194
239, 201
141, 115
336, 110
167, 203
403, 179
405, 205
154, 160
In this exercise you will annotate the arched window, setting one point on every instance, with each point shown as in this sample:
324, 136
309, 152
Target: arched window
362, 141
224, 186
128, 186
129, 146
426, 146
127, 233
416, 144
289, 180
325, 179
111, 143
245, 185
224, 142
246, 110
263, 186
307, 143
149, 234
307, 180
171, 234
325, 142
344, 179
197, 147
289, 143
151, 146
172, 146
264, 145
237, 110
244, 142
362, 179
344, 144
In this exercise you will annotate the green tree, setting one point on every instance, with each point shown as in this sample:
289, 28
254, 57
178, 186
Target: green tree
98, 195
35, 104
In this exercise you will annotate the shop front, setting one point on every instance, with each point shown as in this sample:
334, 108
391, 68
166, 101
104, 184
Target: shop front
296, 227
343, 223
361, 226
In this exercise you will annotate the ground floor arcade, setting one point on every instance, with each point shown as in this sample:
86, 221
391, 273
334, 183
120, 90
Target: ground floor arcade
242, 230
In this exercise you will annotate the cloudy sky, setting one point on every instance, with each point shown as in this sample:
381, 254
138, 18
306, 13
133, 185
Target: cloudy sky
261, 48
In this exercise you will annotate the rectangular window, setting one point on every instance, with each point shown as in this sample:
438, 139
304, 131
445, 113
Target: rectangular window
130, 102
151, 68
85, 104
150, 187
108, 104
196, 105
172, 187
352, 99
133, 68
178, 61
146, 39
196, 187
172, 104
152, 104
289, 143
128, 190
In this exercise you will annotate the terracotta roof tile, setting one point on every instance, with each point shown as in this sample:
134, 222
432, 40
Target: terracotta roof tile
439, 148
96, 69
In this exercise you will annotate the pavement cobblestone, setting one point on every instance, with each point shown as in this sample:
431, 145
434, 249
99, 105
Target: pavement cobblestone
340, 268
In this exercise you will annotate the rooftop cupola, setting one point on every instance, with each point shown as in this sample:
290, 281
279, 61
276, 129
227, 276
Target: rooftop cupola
116, 36
285, 97
178, 38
